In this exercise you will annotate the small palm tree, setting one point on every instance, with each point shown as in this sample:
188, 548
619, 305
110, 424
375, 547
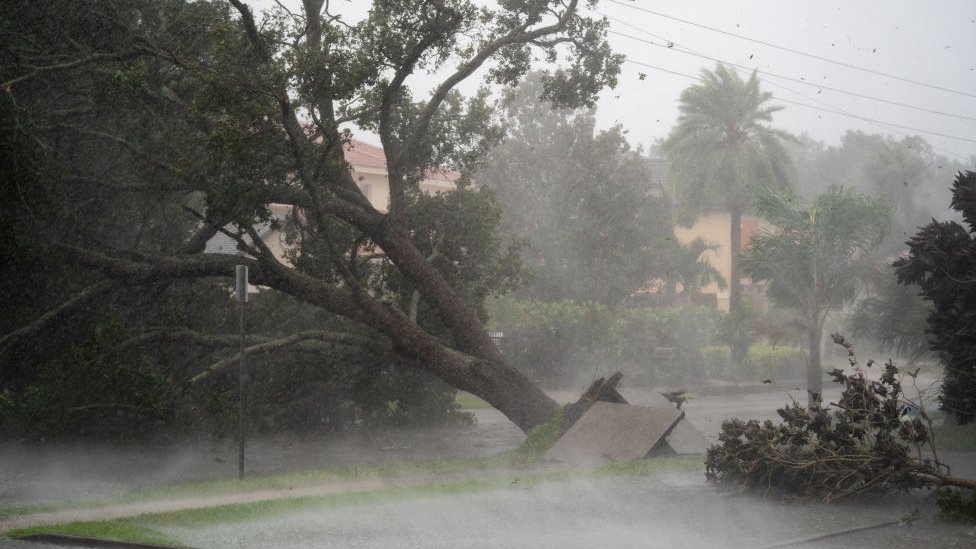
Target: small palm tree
722, 151
687, 266
814, 255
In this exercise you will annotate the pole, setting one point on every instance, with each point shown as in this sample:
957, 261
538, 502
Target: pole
241, 287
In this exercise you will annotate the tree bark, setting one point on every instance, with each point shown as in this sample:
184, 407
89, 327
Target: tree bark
477, 371
738, 349
814, 367
735, 246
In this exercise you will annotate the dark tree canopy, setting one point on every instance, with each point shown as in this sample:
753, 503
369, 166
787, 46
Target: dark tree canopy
942, 262
184, 117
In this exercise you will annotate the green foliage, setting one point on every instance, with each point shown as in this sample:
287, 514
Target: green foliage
893, 315
814, 252
814, 256
580, 198
467, 401
568, 343
397, 396
737, 329
941, 261
132, 129
906, 171
954, 506
760, 363
81, 395
862, 444
539, 439
685, 265
722, 151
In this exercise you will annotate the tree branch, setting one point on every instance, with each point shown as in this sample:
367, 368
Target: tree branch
91, 59
84, 297
311, 341
518, 36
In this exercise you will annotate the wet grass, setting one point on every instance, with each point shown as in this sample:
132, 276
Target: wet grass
30, 508
146, 528
279, 481
467, 401
124, 530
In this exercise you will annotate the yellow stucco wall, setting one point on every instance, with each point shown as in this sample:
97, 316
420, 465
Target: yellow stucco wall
714, 227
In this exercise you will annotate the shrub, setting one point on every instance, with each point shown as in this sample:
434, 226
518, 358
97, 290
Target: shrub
866, 442
566, 343
86, 394
954, 506
761, 362
942, 260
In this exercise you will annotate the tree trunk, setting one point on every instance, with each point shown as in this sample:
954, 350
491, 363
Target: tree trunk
495, 382
738, 349
735, 246
814, 368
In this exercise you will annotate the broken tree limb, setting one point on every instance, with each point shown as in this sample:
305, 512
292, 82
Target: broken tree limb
601, 390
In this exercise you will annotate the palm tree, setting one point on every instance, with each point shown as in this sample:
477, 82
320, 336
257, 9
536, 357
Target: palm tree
721, 151
687, 266
814, 255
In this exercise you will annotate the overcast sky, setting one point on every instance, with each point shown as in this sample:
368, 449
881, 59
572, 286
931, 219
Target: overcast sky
668, 42
930, 42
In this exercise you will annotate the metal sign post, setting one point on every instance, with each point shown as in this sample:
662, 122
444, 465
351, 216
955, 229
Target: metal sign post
241, 289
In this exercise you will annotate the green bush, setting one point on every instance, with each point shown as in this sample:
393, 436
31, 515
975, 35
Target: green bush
540, 438
567, 343
761, 362
86, 394
954, 506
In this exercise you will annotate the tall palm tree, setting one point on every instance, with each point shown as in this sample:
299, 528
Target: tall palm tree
814, 255
721, 151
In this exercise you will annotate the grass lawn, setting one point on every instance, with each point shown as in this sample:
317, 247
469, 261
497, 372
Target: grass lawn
151, 528
467, 401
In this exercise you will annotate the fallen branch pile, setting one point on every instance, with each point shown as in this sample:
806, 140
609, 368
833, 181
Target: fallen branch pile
872, 440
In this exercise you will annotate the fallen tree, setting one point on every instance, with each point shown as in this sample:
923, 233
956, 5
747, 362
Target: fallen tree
218, 114
874, 439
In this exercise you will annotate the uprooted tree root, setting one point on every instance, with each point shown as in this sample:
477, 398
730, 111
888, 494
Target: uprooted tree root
872, 440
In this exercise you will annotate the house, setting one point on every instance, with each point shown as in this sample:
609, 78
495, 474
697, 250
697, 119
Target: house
712, 227
369, 170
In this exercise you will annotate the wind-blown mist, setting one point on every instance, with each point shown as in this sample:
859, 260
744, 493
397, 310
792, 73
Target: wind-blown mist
617, 513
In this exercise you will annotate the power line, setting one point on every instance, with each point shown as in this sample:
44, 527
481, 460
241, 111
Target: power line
791, 50
878, 123
814, 107
872, 120
671, 46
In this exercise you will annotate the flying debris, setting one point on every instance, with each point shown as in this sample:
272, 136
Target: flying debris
676, 397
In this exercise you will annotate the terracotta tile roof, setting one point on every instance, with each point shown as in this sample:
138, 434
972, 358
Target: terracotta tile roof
361, 154
364, 154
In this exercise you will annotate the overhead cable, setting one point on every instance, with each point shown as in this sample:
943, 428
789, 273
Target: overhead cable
791, 50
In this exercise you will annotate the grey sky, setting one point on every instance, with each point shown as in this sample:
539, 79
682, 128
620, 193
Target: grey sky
932, 42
